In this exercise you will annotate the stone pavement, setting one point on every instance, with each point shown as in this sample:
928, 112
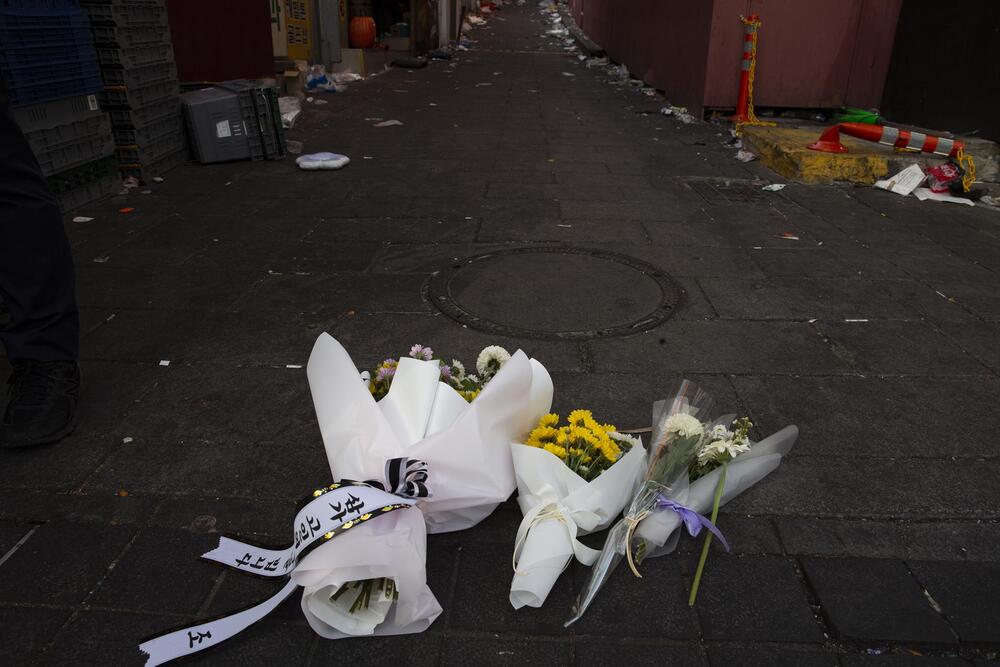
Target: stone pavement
875, 332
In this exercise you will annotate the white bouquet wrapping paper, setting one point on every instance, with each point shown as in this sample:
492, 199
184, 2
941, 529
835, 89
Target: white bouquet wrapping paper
659, 529
465, 445
558, 505
393, 547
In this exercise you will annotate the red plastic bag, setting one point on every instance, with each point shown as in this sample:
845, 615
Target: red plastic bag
943, 176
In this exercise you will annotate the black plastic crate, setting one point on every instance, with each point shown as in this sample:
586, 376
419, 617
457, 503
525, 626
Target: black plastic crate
148, 114
66, 146
77, 176
137, 77
152, 150
132, 35
144, 134
117, 97
57, 112
135, 56
261, 112
158, 167
85, 193
126, 13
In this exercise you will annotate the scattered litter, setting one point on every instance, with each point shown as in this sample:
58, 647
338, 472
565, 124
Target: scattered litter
290, 108
164, 362
568, 74
566, 226
293, 365
101, 260
440, 54
812, 321
228, 183
733, 142
122, 493
856, 320
581, 57
786, 235
479, 85
130, 182
82, 218
904, 182
666, 111
475, 20
318, 82
157, 179
374, 118
367, 157
923, 194
941, 177
345, 77
497, 73
774, 187
990, 201
126, 440
319, 102
145, 192
294, 147
314, 161
432, 104
744, 155
389, 123
126, 209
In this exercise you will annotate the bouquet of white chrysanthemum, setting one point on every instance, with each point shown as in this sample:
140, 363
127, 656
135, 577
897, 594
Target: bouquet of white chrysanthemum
571, 480
690, 457
468, 385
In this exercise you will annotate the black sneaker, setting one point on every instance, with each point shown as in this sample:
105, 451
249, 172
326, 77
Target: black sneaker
43, 400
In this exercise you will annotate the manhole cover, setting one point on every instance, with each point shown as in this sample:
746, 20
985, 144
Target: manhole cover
561, 293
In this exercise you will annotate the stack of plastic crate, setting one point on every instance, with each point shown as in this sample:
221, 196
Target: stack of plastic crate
141, 92
49, 63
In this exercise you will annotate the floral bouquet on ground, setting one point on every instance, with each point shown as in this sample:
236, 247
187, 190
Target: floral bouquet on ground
571, 479
696, 465
434, 452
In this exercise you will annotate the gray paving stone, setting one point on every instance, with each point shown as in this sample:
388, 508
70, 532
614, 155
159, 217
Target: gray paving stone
504, 651
908, 347
320, 294
62, 562
753, 598
968, 593
51, 468
977, 340
252, 518
798, 298
878, 489
868, 599
721, 655
11, 533
720, 347
113, 287
160, 554
25, 631
936, 540
468, 612
608, 651
422, 650
855, 660
865, 416
40, 506
438, 229
578, 231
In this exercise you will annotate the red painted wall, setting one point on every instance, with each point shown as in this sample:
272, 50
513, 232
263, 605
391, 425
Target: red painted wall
821, 53
221, 39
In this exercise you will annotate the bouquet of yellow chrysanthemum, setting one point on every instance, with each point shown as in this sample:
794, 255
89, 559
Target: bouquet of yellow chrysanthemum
572, 478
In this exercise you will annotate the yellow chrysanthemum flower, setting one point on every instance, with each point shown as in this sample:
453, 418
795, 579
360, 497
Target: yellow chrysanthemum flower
551, 420
544, 434
556, 449
578, 417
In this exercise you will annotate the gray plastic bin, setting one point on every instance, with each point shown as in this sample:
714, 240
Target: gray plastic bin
217, 130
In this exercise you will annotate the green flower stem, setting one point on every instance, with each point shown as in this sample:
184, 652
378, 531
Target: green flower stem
708, 537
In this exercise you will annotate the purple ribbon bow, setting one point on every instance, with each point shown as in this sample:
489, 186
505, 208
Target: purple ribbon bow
693, 521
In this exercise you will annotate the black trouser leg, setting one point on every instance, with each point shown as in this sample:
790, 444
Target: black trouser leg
37, 279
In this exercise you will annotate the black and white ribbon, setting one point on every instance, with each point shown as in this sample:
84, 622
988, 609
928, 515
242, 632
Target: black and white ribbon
329, 512
405, 477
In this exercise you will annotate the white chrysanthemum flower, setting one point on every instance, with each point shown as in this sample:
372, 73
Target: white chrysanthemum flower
684, 425
718, 449
632, 440
494, 354
458, 370
720, 432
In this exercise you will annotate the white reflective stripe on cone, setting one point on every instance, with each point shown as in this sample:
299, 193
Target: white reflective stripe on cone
889, 136
944, 146
917, 141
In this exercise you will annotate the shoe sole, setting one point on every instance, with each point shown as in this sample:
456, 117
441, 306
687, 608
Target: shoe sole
47, 440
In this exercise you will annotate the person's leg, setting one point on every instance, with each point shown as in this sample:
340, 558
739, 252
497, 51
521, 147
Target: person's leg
38, 286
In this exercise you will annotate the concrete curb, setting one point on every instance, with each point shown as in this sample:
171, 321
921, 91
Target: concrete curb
587, 45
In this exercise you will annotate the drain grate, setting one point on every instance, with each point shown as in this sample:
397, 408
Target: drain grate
730, 192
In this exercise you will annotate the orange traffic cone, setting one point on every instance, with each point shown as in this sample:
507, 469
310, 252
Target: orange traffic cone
829, 141
744, 112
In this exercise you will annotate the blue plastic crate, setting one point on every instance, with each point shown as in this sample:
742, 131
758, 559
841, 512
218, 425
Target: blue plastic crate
39, 4
46, 55
54, 89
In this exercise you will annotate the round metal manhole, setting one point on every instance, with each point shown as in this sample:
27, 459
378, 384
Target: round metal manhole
556, 293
